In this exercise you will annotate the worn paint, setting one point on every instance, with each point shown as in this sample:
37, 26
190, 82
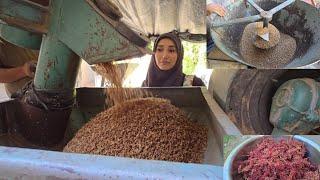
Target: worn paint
97, 39
57, 66
20, 37
25, 15
27, 25
297, 112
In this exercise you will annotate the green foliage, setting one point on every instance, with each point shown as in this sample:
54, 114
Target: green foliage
192, 56
150, 45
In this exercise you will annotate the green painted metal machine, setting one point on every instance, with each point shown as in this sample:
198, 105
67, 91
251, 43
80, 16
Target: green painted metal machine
64, 31
296, 107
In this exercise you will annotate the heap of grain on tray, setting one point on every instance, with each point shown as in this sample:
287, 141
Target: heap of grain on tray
284, 160
266, 56
144, 128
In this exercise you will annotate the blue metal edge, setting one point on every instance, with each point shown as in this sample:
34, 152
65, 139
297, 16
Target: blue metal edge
31, 163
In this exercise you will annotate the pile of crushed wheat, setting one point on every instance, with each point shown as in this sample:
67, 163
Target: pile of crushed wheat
145, 128
275, 57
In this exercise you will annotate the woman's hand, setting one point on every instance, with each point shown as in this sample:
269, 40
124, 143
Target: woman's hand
216, 8
29, 68
9, 75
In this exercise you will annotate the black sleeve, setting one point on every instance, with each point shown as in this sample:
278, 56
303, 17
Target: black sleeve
1, 65
144, 84
197, 81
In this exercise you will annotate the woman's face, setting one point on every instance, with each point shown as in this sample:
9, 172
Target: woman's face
166, 54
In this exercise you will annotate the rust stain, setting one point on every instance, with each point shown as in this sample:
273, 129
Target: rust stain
91, 50
124, 45
46, 76
50, 63
98, 22
104, 33
102, 28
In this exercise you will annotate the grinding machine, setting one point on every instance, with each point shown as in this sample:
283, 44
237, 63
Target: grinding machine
95, 35
295, 18
269, 101
47, 112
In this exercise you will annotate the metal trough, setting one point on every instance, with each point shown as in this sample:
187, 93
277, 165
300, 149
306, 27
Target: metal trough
20, 161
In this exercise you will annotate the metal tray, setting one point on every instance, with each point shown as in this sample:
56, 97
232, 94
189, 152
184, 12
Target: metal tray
23, 158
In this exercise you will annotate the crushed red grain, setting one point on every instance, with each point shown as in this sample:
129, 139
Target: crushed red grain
284, 160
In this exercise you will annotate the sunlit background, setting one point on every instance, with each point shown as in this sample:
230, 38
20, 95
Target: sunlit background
194, 63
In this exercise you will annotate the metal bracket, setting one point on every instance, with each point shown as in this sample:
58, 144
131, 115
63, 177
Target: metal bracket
266, 16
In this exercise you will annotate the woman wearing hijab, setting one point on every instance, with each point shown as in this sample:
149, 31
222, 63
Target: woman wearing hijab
165, 68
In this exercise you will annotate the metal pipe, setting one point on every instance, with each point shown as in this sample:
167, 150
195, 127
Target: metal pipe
255, 5
281, 6
57, 66
236, 21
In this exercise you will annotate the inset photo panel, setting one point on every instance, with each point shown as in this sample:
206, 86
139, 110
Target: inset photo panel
258, 157
263, 34
269, 101
107, 89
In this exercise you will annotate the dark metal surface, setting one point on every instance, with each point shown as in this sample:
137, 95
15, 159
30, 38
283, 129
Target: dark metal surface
41, 116
6, 113
45, 128
109, 9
